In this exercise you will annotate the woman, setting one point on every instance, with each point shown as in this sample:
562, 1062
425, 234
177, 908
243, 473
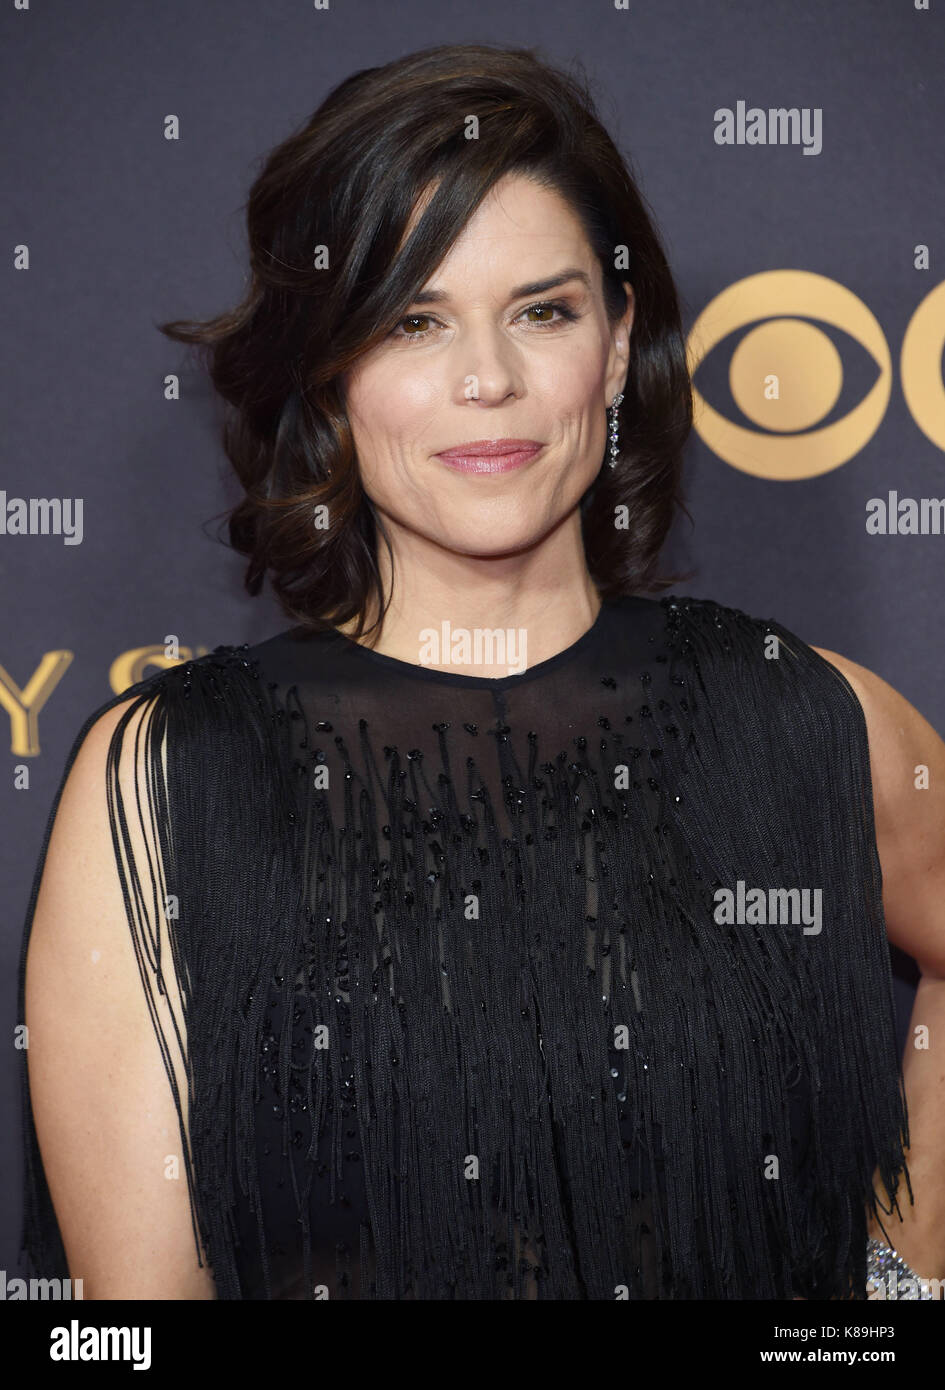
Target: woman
438, 897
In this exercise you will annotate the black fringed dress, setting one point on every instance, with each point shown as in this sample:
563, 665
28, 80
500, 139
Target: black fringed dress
464, 1013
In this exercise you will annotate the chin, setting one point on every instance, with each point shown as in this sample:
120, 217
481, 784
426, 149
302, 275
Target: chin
490, 540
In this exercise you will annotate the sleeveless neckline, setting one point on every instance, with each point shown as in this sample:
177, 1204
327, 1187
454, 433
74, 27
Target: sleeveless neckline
396, 665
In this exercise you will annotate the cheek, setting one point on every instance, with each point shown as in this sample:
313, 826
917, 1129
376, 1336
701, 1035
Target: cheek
572, 388
394, 412
393, 403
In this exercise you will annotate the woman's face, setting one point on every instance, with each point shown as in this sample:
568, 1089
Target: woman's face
483, 355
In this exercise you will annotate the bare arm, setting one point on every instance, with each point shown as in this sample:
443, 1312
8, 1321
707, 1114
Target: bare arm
105, 1118
910, 839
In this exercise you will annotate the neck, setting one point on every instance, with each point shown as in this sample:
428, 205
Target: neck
542, 600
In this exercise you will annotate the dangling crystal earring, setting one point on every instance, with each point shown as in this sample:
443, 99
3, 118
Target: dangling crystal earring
612, 412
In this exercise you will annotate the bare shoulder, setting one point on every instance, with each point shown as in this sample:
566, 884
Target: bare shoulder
107, 1126
895, 727
907, 764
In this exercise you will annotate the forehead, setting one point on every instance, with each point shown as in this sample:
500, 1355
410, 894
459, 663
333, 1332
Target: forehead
520, 225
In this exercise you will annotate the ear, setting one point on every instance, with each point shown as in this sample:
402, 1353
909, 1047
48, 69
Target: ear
619, 357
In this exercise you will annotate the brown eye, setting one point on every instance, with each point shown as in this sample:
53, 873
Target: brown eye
556, 314
408, 327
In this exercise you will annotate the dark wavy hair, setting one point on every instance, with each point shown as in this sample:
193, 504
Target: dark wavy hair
325, 218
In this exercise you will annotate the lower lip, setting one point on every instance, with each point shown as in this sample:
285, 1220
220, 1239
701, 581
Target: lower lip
494, 463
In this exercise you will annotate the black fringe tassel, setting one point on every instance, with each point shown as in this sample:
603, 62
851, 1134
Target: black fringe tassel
487, 1041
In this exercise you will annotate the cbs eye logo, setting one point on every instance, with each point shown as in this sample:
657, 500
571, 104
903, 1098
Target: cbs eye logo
786, 375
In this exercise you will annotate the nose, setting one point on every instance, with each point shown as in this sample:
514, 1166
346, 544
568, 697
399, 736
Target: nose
489, 365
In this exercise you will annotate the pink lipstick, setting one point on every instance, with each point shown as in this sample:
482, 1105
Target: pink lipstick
490, 455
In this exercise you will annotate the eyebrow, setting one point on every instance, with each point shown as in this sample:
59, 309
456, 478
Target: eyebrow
434, 296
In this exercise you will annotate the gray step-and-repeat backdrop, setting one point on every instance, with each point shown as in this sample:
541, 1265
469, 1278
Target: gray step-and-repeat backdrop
792, 153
